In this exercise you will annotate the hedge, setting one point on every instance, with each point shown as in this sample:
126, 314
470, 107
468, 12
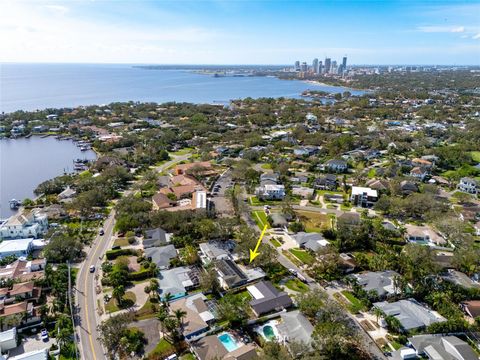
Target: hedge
113, 254
140, 275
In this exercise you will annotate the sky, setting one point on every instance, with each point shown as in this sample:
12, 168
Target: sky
240, 32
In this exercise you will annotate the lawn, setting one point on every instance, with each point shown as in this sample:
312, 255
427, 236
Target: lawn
121, 241
303, 256
314, 221
260, 218
266, 166
356, 305
296, 285
371, 173
147, 311
275, 242
475, 156
163, 349
112, 305
183, 151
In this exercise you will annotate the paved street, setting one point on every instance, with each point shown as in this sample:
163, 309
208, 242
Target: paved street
87, 319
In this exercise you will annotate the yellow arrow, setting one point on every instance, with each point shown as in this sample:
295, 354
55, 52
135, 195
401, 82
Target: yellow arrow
255, 253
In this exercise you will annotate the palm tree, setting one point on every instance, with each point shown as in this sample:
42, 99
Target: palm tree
167, 298
162, 316
118, 293
180, 315
154, 286
148, 290
63, 337
377, 312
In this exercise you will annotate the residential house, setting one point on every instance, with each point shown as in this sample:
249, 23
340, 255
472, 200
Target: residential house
229, 274
17, 248
8, 340
25, 224
468, 185
440, 347
161, 256
41, 354
326, 182
216, 250
270, 192
302, 191
422, 163
24, 270
269, 179
198, 317
204, 166
410, 313
471, 308
381, 282
424, 235
295, 328
312, 241
155, 237
67, 194
460, 279
266, 298
178, 281
408, 187
363, 196
214, 347
378, 184
419, 173
336, 165
299, 178
161, 201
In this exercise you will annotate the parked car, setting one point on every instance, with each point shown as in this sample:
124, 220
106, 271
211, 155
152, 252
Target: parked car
44, 335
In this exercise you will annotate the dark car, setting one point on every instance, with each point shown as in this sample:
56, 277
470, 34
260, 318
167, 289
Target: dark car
101, 232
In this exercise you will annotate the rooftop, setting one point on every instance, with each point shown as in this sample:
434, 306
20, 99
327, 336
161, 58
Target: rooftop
267, 298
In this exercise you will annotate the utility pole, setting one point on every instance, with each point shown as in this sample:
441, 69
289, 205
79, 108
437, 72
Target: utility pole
71, 310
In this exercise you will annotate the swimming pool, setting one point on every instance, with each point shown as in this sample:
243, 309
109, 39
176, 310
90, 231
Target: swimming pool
228, 341
269, 333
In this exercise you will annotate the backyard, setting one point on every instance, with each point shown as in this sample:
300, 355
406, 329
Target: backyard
303, 256
314, 221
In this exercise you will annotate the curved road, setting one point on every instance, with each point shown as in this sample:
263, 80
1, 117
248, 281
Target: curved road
86, 316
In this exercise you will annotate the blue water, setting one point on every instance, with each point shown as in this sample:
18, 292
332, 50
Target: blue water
227, 340
25, 163
39, 86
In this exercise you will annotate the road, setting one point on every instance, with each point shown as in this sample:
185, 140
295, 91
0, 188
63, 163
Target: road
367, 342
86, 317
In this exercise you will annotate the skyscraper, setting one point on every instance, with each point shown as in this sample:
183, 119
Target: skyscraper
328, 64
320, 67
315, 65
344, 63
297, 65
304, 67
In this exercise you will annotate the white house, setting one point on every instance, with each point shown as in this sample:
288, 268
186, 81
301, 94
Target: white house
363, 196
18, 248
270, 192
8, 340
26, 224
468, 185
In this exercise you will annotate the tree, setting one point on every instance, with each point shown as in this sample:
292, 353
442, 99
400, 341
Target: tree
154, 287
118, 293
209, 281
111, 332
311, 302
63, 248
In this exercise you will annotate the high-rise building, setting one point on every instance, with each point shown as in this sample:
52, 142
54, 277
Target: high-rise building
304, 67
344, 63
333, 68
328, 64
320, 67
315, 65
297, 65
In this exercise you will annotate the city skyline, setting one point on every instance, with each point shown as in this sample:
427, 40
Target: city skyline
241, 32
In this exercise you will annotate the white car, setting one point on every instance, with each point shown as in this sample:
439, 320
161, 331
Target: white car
92, 268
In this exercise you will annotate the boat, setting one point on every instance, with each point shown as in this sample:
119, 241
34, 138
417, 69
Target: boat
14, 204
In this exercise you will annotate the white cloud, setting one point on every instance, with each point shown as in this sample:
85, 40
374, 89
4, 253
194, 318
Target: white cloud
441, 29
476, 36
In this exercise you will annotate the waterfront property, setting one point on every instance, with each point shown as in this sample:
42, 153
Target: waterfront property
25, 224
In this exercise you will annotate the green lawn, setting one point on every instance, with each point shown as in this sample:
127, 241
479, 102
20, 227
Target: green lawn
266, 166
475, 156
260, 218
371, 173
163, 349
147, 311
296, 285
356, 305
121, 241
303, 256
275, 242
112, 305
314, 221
183, 151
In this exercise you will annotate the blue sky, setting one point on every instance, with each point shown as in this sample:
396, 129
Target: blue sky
240, 32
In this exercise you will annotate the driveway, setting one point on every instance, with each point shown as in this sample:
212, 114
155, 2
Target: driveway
32, 343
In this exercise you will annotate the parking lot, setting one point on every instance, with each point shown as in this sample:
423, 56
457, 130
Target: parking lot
223, 206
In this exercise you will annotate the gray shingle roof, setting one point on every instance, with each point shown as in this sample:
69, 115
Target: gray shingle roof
296, 327
161, 256
270, 299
